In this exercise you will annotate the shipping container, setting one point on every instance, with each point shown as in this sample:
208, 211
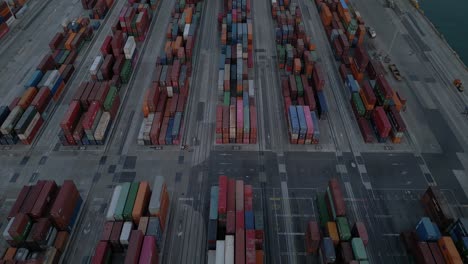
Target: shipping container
130, 202
312, 237
134, 248
141, 202
327, 250
149, 252
118, 214
359, 250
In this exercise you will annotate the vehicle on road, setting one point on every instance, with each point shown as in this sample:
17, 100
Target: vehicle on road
458, 83
371, 32
396, 73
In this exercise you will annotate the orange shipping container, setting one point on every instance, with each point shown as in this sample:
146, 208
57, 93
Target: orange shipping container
10, 254
141, 201
326, 15
27, 97
332, 232
449, 250
58, 92
188, 15
61, 241
69, 41
367, 105
145, 104
397, 102
297, 65
259, 256
177, 45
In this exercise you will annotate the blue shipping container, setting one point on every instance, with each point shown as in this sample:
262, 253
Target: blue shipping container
302, 121
214, 203
425, 230
212, 234
249, 220
316, 125
177, 123
169, 131
35, 79
222, 60
75, 214
4, 112
328, 250
293, 119
323, 105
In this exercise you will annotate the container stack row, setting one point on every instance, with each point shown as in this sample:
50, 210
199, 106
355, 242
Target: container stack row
98, 8
236, 113
235, 226
6, 18
375, 104
164, 101
96, 102
22, 119
302, 80
332, 238
136, 220
40, 222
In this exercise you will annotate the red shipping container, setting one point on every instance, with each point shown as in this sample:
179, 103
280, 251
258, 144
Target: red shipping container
79, 91
222, 193
46, 196
337, 196
106, 47
162, 134
19, 225
384, 87
91, 115
173, 106
40, 229
318, 77
19, 201
85, 95
366, 130
369, 93
250, 247
32, 198
381, 122
100, 255
155, 128
240, 246
56, 41
153, 97
423, 253
312, 237
436, 253
102, 93
162, 101
115, 236
47, 63
239, 195
134, 247
92, 94
79, 131
70, 119
64, 205
14, 103
34, 132
230, 222
248, 193
359, 230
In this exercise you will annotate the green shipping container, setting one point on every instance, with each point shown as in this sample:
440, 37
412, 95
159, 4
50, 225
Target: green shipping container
359, 250
343, 228
118, 215
359, 104
126, 71
322, 209
246, 119
128, 208
227, 98
25, 233
330, 200
300, 87
110, 98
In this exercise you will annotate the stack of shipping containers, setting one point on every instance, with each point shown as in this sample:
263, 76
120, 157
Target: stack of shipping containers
23, 118
40, 222
236, 113
302, 80
164, 101
340, 242
136, 219
96, 102
235, 226
375, 104
6, 18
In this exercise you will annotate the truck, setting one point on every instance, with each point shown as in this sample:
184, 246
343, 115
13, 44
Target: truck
396, 73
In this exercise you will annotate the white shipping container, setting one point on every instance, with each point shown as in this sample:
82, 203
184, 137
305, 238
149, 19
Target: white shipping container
211, 257
229, 250
220, 252
140, 133
239, 51
52, 236
21, 254
155, 201
96, 65
186, 31
148, 124
7, 235
125, 235
113, 203
101, 128
170, 92
11, 120
10, 20
30, 127
251, 88
129, 47
50, 255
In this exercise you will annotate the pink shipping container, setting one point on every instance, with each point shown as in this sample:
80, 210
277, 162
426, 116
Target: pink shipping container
248, 193
310, 125
318, 78
149, 252
250, 247
222, 194
240, 220
239, 195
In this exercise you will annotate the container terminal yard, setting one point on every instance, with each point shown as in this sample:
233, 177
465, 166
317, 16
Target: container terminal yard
242, 130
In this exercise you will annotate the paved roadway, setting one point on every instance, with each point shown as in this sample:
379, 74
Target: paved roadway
382, 183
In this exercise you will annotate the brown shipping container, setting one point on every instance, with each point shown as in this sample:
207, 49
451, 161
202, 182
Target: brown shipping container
79, 92
337, 196
436, 253
346, 252
93, 92
423, 254
64, 205
67, 72
10, 254
19, 201
18, 225
106, 232
40, 229
27, 97
45, 198
436, 206
42, 99
134, 248
141, 201
312, 237
448, 249
32, 197
61, 241
143, 225
102, 93
115, 236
